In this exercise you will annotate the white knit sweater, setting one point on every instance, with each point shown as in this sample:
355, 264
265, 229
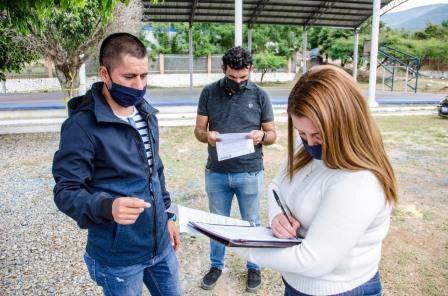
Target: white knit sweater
344, 218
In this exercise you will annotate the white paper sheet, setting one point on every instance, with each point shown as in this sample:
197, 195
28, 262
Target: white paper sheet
185, 215
233, 145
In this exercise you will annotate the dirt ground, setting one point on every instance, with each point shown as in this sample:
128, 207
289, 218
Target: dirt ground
415, 253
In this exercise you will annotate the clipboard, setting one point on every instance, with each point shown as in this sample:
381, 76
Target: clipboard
243, 236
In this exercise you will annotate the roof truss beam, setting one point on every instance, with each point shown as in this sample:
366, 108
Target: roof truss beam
193, 11
257, 11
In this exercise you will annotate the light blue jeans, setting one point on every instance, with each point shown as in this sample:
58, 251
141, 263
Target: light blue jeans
370, 288
220, 188
160, 276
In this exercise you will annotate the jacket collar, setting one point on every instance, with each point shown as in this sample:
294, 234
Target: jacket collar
104, 113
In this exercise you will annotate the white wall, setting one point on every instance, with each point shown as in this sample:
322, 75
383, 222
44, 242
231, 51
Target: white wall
166, 80
435, 74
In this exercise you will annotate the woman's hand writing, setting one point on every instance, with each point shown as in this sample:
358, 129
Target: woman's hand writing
283, 228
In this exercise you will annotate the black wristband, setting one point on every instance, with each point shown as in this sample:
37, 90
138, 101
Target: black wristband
104, 208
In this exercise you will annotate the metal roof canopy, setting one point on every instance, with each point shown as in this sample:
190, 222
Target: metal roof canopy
307, 13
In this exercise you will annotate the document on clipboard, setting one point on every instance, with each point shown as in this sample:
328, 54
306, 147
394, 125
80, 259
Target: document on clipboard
243, 236
185, 215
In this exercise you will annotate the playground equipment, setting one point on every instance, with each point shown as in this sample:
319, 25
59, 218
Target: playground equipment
391, 59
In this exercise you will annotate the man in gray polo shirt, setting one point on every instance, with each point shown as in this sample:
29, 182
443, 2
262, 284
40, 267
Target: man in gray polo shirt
234, 105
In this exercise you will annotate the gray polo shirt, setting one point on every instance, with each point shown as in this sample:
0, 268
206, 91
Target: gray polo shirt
235, 113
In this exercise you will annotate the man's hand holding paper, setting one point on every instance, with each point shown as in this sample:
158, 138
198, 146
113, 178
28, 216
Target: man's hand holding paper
256, 136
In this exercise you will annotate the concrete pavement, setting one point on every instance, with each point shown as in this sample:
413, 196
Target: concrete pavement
45, 112
189, 97
34, 121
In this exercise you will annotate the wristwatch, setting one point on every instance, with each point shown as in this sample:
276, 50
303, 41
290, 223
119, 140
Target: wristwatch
264, 136
172, 216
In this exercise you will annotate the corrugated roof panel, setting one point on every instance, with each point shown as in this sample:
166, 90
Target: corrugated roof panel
344, 13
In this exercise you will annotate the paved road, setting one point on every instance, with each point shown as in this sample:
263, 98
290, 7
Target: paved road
189, 97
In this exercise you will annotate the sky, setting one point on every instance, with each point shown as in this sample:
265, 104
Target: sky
415, 3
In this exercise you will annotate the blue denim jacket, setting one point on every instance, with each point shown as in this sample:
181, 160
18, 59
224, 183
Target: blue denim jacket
101, 157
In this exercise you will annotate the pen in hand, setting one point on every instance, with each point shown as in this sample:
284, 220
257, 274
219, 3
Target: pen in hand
277, 199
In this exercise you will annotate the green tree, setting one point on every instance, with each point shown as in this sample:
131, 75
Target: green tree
281, 40
69, 36
64, 31
341, 49
169, 44
207, 38
429, 44
15, 52
324, 39
26, 14
267, 61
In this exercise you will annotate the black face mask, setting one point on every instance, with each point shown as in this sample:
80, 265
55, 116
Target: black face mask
235, 86
314, 151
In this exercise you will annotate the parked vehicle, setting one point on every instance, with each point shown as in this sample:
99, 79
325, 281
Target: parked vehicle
443, 107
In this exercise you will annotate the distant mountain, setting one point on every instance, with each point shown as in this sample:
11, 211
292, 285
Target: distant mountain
416, 18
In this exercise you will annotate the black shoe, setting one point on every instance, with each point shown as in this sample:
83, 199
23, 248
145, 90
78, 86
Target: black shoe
210, 279
253, 280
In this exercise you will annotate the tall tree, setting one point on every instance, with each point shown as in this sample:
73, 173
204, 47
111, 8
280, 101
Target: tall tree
208, 38
15, 53
341, 49
26, 14
68, 36
267, 61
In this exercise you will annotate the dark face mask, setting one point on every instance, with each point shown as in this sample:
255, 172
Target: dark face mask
235, 86
315, 151
126, 96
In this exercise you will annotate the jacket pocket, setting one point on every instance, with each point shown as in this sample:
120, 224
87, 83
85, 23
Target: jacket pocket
134, 238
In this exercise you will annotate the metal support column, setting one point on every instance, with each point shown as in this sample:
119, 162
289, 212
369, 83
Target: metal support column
238, 22
304, 51
249, 47
374, 52
355, 54
190, 53
249, 39
82, 80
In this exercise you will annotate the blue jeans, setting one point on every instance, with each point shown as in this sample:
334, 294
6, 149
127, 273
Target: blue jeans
160, 276
221, 187
370, 288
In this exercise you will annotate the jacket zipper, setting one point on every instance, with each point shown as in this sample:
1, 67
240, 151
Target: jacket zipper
153, 198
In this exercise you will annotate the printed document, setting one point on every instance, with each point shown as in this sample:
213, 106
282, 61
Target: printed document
233, 145
185, 215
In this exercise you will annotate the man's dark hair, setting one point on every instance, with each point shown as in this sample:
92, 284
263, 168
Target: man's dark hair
237, 58
118, 44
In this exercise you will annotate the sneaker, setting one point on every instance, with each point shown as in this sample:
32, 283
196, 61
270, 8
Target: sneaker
253, 280
210, 279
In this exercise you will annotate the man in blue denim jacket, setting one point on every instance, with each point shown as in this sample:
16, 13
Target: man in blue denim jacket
109, 177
